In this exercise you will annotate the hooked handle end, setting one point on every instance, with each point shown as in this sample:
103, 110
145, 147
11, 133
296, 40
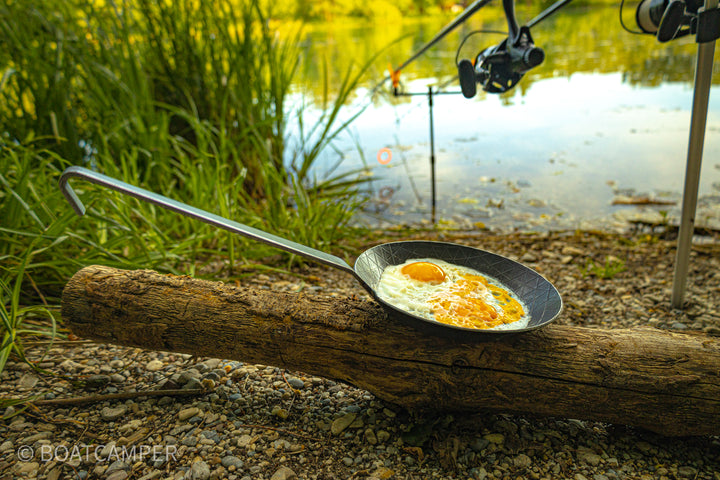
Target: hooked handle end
67, 190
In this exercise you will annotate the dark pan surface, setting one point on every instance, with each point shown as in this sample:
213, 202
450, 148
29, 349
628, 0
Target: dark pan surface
540, 296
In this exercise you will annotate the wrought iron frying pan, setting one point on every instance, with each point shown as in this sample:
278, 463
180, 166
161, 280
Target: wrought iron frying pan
539, 295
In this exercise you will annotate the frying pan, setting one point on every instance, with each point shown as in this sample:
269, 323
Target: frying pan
539, 295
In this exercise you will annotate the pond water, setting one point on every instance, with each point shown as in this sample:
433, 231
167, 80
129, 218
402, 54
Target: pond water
605, 119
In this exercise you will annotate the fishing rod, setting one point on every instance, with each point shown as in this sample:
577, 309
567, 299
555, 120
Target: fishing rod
498, 68
459, 20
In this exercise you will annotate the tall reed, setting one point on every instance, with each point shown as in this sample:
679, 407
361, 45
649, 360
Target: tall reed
188, 99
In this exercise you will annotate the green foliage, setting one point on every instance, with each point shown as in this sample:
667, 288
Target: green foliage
188, 99
607, 270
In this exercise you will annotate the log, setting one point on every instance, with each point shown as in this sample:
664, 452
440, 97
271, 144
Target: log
665, 382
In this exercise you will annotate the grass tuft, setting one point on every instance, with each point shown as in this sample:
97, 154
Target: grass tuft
187, 99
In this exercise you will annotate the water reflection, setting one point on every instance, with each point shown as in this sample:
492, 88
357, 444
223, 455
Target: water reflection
608, 113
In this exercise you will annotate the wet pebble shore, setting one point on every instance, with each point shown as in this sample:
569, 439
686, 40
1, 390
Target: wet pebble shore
226, 419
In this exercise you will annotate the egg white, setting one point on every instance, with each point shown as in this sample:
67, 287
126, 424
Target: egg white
412, 296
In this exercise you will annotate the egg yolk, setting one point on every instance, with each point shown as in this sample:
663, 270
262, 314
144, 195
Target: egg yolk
463, 304
424, 272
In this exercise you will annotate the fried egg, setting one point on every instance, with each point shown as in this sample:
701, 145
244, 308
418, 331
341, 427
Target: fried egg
451, 294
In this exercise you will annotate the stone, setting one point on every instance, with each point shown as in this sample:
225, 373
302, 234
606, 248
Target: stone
588, 457
341, 423
54, 474
383, 473
116, 466
243, 441
154, 365
69, 366
208, 365
152, 475
187, 413
98, 381
570, 250
370, 436
28, 467
110, 414
193, 384
497, 438
198, 471
522, 461
296, 383
687, 471
28, 381
38, 436
478, 473
117, 475
280, 413
284, 473
529, 257
232, 461
479, 444
188, 375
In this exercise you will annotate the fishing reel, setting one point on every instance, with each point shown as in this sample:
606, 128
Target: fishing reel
671, 19
498, 69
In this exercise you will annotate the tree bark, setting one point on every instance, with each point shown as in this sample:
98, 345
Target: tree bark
665, 382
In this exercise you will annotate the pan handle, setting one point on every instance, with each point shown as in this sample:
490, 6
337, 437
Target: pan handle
187, 210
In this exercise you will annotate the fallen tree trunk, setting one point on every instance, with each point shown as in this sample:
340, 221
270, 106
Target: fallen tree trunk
665, 382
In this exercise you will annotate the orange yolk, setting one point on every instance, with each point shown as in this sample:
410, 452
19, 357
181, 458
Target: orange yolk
463, 304
424, 272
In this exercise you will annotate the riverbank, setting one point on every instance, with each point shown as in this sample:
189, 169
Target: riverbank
261, 422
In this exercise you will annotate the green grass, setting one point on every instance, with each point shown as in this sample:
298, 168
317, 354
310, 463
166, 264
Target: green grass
187, 99
606, 270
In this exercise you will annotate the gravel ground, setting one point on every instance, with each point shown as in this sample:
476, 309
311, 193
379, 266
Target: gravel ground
260, 422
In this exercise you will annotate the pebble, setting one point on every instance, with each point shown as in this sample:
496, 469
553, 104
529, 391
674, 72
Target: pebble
238, 432
588, 457
117, 475
99, 380
69, 366
522, 461
232, 460
193, 384
28, 381
280, 413
198, 471
383, 473
154, 365
687, 471
28, 467
479, 444
529, 257
187, 413
341, 423
370, 436
110, 414
296, 383
284, 473
497, 438
38, 436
